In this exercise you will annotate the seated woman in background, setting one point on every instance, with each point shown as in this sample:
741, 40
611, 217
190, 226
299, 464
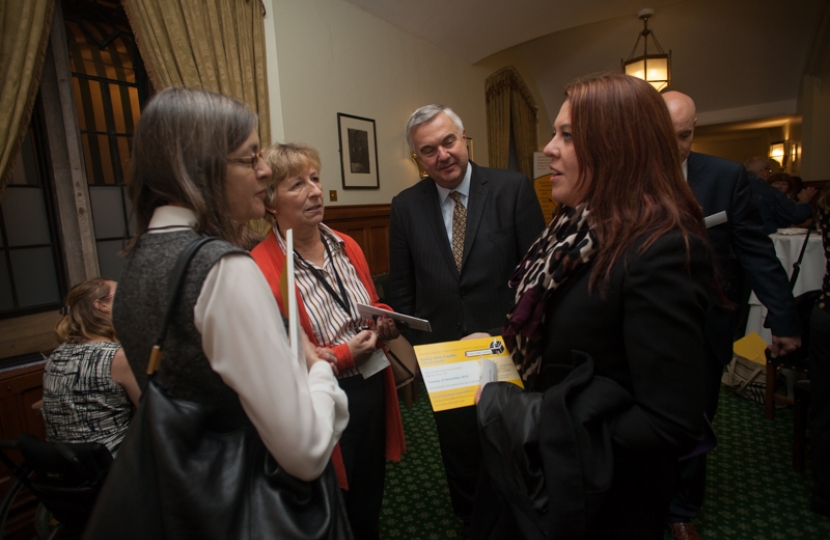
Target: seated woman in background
89, 390
332, 276
792, 187
607, 331
792, 210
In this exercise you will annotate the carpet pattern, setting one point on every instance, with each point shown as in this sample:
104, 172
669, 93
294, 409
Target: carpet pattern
752, 492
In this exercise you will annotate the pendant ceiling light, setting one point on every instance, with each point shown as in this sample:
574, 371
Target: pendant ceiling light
653, 65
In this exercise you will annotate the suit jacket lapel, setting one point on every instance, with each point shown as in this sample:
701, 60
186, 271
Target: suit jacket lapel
433, 216
699, 180
477, 200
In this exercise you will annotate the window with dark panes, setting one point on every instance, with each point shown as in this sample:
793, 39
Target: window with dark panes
31, 275
110, 88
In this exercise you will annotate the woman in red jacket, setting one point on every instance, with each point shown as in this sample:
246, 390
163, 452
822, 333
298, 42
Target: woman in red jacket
332, 277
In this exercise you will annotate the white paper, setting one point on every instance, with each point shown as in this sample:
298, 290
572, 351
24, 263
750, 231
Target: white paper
415, 323
715, 219
541, 165
489, 372
451, 376
377, 362
792, 231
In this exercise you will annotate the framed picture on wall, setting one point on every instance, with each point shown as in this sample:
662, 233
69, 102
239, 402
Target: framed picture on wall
358, 152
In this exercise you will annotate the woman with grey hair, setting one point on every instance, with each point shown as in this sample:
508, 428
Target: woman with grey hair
197, 171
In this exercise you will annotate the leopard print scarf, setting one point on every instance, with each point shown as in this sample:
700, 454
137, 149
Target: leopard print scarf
567, 244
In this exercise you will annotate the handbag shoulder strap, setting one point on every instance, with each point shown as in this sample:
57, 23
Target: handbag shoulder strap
174, 286
797, 264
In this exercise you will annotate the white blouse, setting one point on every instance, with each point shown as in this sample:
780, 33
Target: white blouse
299, 413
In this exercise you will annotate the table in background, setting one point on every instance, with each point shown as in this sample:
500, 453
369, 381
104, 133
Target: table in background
787, 248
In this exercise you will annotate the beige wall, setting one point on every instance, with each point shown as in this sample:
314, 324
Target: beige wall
738, 143
816, 128
332, 57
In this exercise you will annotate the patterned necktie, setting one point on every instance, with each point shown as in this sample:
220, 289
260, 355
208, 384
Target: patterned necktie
459, 227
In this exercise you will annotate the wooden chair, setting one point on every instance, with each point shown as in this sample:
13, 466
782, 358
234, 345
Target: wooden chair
796, 361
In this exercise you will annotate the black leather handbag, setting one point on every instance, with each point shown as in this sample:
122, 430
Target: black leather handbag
174, 478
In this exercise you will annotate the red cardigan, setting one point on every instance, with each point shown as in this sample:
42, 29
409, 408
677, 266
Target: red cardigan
271, 261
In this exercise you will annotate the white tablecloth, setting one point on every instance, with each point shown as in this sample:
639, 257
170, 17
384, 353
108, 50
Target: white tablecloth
787, 247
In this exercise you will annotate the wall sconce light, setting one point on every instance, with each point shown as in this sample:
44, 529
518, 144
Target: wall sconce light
793, 153
654, 67
777, 152
421, 172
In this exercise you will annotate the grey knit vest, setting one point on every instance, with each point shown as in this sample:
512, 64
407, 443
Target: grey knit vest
138, 313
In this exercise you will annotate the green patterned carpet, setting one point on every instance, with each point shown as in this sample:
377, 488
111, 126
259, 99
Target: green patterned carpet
752, 491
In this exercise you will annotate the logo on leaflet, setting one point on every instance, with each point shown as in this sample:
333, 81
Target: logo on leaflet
496, 348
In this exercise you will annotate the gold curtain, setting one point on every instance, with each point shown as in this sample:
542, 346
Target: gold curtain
510, 108
498, 123
24, 33
218, 45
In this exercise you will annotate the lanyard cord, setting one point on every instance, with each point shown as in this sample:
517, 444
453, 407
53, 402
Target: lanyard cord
344, 300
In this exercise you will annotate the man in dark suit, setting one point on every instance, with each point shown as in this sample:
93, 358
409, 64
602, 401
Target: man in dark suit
454, 240
742, 250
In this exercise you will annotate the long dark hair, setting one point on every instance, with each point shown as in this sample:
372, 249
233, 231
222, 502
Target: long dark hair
630, 167
180, 154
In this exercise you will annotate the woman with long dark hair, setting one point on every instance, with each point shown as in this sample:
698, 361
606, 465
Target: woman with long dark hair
607, 329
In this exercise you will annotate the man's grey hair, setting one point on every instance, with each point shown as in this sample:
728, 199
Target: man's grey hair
756, 165
427, 113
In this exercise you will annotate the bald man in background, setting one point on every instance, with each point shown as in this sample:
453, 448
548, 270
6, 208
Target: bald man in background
742, 252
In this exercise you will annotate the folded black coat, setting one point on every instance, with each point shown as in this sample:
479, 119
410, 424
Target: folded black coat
549, 456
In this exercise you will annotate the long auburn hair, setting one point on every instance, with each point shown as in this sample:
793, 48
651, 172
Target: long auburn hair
180, 151
83, 321
630, 167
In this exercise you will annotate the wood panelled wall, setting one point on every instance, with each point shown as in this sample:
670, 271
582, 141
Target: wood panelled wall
19, 389
368, 224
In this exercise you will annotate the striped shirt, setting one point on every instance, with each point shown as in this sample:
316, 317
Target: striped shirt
331, 324
81, 403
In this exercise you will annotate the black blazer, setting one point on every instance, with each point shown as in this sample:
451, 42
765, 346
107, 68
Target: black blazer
503, 219
644, 337
742, 249
646, 334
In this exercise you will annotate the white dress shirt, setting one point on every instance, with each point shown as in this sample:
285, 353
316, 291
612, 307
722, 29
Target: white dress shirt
299, 413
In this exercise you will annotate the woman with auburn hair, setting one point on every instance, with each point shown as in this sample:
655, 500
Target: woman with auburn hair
332, 276
89, 390
606, 332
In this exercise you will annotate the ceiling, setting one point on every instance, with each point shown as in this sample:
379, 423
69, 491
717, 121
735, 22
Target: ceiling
739, 59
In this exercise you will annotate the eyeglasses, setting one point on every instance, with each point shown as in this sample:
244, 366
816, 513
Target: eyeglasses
252, 161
